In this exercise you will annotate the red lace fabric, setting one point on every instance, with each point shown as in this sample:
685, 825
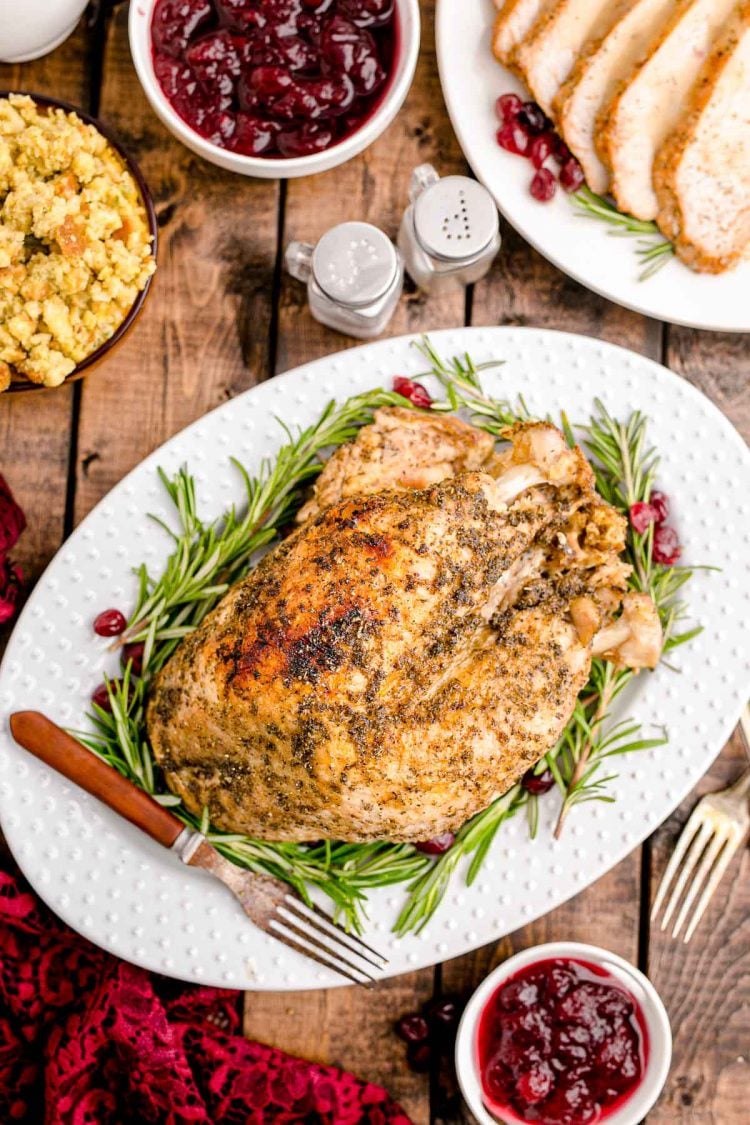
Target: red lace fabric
86, 1039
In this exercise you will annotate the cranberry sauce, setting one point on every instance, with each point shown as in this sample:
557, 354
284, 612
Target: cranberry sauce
560, 1043
274, 77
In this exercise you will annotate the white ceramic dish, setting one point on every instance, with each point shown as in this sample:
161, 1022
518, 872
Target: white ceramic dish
125, 893
657, 1022
472, 80
139, 30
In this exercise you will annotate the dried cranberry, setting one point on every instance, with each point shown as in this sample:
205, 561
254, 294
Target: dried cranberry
100, 696
415, 392
533, 117
443, 1014
507, 108
642, 515
537, 783
309, 138
514, 138
666, 547
110, 623
571, 175
543, 185
175, 22
133, 654
419, 1056
659, 501
540, 149
437, 845
562, 152
413, 1028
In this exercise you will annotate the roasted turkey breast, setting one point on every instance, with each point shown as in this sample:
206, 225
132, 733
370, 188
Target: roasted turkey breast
404, 655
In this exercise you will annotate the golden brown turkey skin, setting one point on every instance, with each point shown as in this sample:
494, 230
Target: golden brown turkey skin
350, 687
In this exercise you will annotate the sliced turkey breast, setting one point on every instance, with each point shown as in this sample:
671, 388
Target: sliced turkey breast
513, 23
547, 55
702, 172
652, 102
596, 77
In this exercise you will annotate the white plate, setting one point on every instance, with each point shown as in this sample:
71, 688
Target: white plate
125, 893
472, 79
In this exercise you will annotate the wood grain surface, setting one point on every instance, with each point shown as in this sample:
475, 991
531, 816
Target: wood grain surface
223, 316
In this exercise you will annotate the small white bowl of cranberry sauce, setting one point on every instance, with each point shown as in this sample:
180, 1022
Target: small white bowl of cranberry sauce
275, 88
563, 1034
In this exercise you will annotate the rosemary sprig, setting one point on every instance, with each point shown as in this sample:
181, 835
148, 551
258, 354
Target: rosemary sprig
208, 557
654, 250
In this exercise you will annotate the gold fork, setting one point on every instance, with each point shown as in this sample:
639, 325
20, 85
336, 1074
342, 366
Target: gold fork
271, 904
714, 832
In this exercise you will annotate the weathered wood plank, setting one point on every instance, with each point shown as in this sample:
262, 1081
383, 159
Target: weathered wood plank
705, 985
35, 428
204, 332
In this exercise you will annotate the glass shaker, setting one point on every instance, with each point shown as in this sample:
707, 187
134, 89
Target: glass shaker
450, 233
354, 277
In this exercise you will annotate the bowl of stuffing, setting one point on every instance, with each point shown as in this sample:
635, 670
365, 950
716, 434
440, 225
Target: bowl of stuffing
78, 240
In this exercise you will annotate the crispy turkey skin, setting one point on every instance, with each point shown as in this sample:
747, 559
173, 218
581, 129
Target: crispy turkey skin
402, 658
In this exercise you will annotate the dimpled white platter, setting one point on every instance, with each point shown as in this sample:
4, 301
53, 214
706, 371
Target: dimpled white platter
134, 898
472, 79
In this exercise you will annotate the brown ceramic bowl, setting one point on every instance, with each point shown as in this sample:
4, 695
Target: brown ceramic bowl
22, 385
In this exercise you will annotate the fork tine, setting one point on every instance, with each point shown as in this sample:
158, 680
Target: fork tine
713, 847
332, 929
333, 954
732, 843
686, 836
312, 955
697, 845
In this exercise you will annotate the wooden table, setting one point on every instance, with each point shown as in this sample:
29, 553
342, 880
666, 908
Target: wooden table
223, 316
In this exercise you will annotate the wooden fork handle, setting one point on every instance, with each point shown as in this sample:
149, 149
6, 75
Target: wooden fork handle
56, 748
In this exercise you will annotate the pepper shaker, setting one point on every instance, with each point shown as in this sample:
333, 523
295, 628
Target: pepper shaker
354, 277
450, 233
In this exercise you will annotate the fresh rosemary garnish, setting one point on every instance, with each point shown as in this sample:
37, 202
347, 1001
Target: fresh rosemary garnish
654, 250
208, 557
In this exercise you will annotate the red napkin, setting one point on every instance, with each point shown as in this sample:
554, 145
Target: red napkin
12, 523
86, 1039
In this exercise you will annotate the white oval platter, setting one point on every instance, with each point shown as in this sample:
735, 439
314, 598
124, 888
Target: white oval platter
130, 896
472, 79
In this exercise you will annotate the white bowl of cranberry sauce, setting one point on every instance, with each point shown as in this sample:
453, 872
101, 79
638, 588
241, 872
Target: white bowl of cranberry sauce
275, 88
563, 1034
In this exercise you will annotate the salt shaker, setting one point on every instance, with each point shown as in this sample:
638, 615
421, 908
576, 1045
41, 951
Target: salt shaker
450, 233
354, 278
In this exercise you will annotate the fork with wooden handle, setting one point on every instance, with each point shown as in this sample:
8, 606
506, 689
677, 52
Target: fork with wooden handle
272, 905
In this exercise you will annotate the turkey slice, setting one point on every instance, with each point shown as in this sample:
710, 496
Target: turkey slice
702, 172
595, 79
652, 103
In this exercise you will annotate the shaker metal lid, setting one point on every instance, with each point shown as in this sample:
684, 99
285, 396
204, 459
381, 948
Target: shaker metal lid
354, 263
455, 218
